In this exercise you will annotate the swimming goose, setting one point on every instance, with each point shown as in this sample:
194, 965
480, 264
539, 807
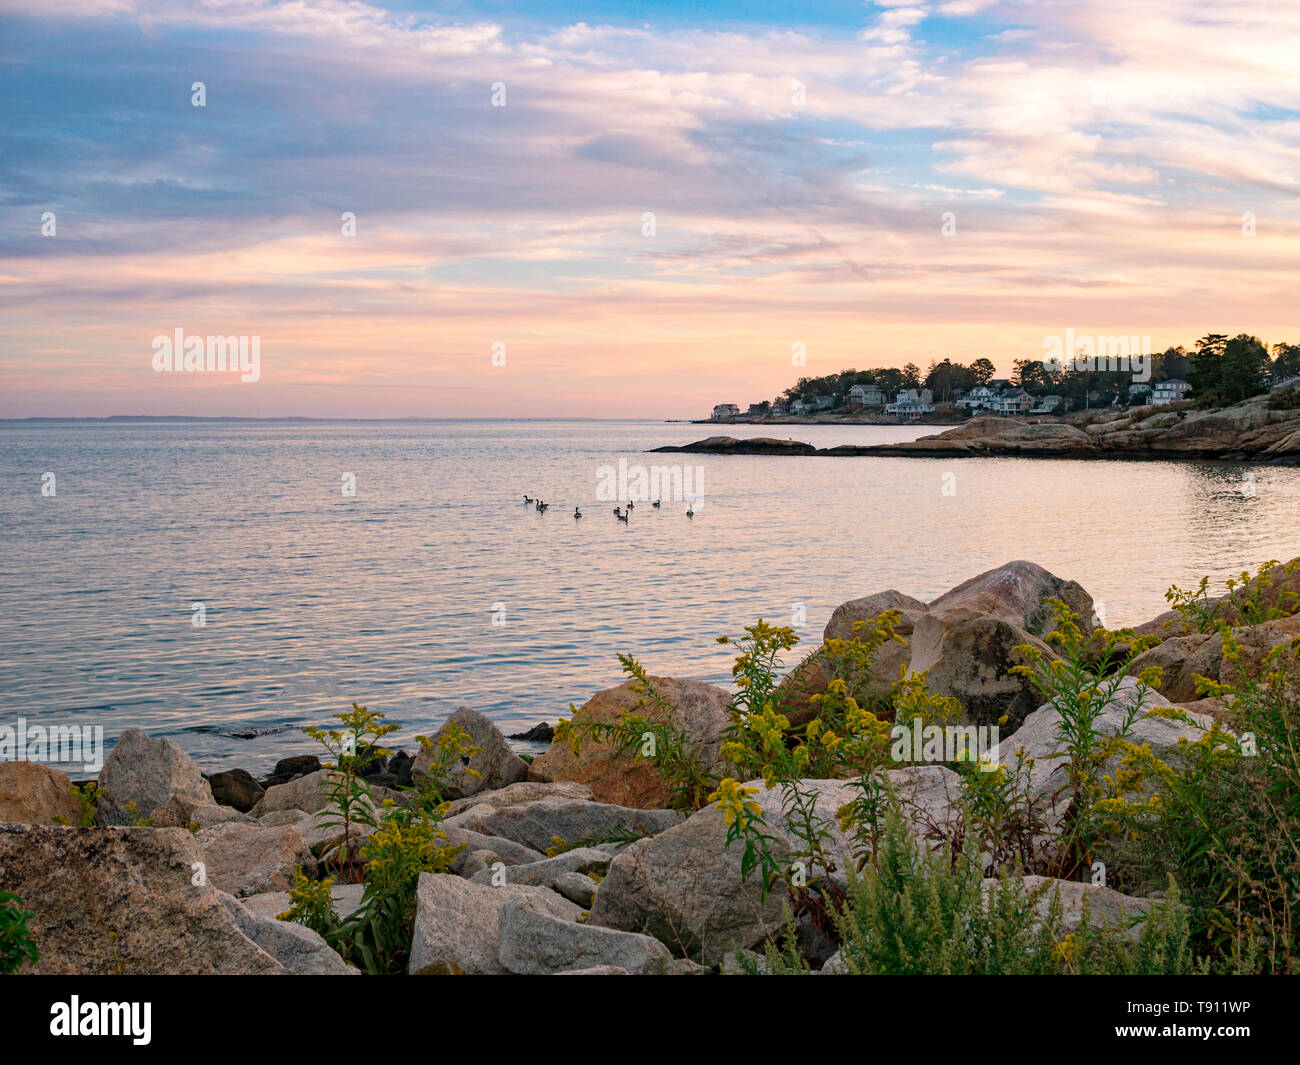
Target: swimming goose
689, 512
577, 512
621, 517
527, 499
656, 503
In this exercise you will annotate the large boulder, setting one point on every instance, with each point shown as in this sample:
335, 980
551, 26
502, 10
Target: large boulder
550, 871
1106, 906
300, 950
1015, 593
524, 791
701, 711
148, 772
495, 766
812, 675
1039, 736
685, 888
236, 788
123, 900
1181, 659
457, 922
35, 794
244, 859
537, 944
537, 824
976, 658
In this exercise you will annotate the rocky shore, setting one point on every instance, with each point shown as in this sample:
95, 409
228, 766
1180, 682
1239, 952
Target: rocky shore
1254, 430
183, 873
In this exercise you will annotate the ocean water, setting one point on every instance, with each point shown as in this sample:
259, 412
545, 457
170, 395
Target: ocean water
434, 586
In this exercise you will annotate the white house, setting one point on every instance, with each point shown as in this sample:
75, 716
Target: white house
912, 403
1012, 401
1047, 405
825, 402
867, 395
1170, 391
977, 397
725, 410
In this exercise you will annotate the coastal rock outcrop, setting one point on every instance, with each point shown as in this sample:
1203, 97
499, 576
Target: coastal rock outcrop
700, 710
35, 794
537, 824
148, 772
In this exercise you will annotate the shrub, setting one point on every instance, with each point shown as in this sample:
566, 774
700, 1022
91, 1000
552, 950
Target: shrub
16, 943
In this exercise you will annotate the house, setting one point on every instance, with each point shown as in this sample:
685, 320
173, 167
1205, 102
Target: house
977, 397
757, 409
825, 402
801, 406
781, 406
1048, 405
725, 410
1139, 393
912, 403
867, 396
1170, 391
1012, 401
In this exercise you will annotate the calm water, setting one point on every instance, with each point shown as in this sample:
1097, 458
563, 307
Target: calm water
314, 600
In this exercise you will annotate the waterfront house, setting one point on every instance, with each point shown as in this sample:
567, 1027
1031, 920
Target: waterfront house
1012, 401
1047, 405
1170, 391
825, 402
867, 396
1138, 393
757, 409
911, 403
977, 397
725, 410
781, 406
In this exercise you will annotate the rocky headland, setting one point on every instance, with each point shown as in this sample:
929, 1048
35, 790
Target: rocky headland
1258, 429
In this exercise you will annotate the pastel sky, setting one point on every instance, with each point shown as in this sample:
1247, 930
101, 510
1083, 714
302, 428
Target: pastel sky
1098, 157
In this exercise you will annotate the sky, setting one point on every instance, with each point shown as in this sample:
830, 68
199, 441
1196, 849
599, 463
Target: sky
624, 209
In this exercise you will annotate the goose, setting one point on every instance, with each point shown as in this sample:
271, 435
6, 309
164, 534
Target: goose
528, 499
622, 517
656, 503
617, 511
689, 512
631, 503
577, 512
542, 507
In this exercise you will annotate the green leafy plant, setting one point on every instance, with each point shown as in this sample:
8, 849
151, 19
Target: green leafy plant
1085, 682
653, 734
351, 805
16, 943
918, 911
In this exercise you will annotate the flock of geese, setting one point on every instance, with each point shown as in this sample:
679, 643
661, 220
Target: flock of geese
621, 514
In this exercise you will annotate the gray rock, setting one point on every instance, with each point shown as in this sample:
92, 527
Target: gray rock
457, 922
1106, 906
35, 794
148, 772
236, 788
523, 791
1038, 736
684, 886
534, 943
251, 859
477, 861
495, 766
577, 888
536, 824
597, 970
545, 873
507, 850
300, 950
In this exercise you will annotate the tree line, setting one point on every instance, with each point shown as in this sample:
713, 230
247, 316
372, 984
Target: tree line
1221, 370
